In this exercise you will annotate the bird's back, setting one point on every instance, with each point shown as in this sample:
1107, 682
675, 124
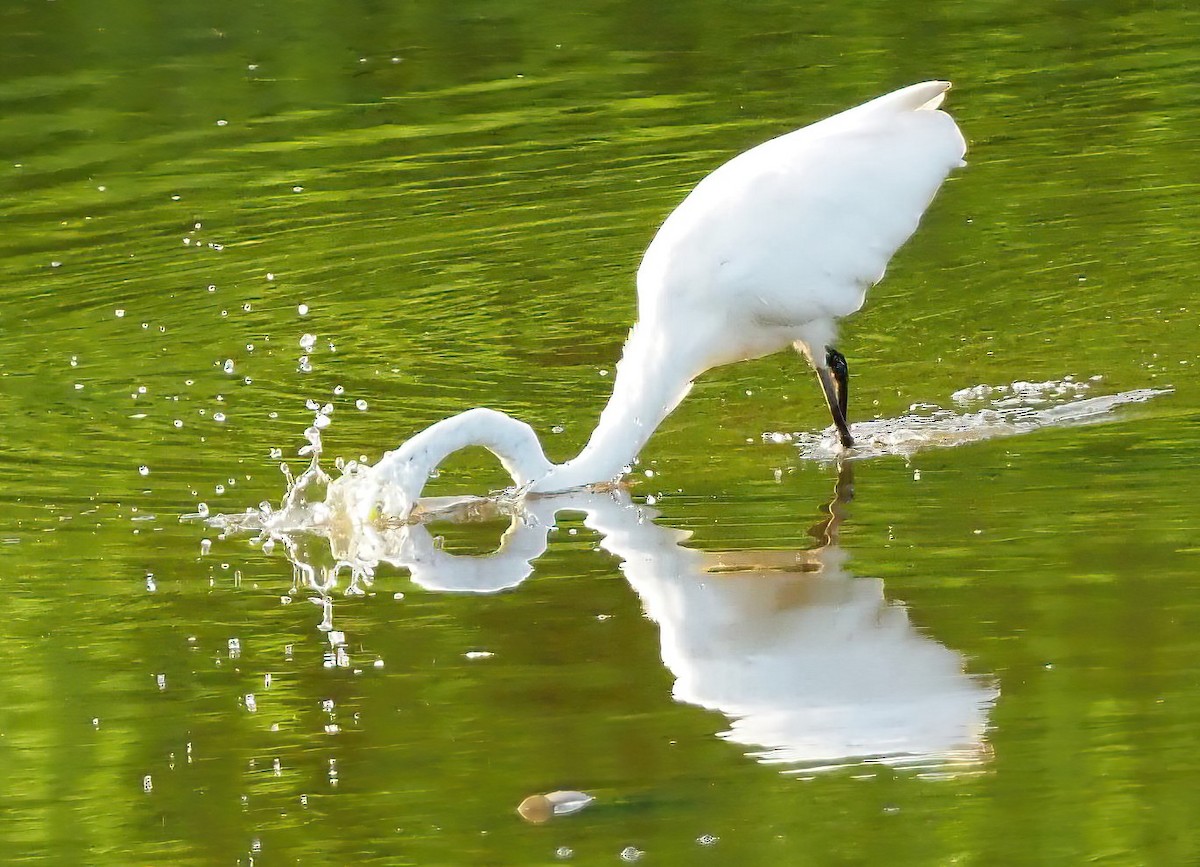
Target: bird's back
798, 228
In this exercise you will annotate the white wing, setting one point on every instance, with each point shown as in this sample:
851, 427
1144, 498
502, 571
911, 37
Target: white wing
797, 228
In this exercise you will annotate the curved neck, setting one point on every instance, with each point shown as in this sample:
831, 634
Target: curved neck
400, 475
652, 378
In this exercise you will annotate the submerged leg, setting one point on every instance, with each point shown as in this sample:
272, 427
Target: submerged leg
835, 382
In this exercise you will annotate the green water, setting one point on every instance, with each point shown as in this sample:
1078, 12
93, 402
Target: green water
459, 194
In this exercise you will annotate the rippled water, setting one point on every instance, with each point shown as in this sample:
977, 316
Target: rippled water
211, 216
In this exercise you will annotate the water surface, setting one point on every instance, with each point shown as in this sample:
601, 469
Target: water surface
209, 216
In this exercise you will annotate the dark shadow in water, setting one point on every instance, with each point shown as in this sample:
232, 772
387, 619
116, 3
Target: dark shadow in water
814, 667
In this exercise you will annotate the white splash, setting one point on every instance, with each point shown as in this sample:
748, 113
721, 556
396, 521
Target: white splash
995, 411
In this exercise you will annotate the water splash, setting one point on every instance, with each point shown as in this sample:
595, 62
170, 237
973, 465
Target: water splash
991, 411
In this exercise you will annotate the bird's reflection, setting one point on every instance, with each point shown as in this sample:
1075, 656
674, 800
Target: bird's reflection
814, 668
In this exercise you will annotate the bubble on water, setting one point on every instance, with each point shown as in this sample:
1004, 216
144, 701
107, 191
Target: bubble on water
270, 276
302, 309
564, 853
707, 839
631, 853
360, 404
120, 311
143, 470
219, 417
222, 122
235, 647
251, 703
228, 365
339, 390
557, 429
161, 681
147, 783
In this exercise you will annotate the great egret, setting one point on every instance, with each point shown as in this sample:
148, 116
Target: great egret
767, 252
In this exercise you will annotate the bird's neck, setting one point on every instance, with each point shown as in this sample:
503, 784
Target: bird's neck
652, 378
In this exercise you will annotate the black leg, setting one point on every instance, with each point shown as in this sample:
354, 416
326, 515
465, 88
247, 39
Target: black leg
841, 376
835, 383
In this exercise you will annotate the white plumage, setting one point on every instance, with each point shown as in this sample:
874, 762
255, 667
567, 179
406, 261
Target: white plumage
767, 252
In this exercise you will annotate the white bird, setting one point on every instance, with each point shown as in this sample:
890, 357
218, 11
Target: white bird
767, 252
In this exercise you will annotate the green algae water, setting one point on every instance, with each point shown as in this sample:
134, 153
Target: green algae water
217, 220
